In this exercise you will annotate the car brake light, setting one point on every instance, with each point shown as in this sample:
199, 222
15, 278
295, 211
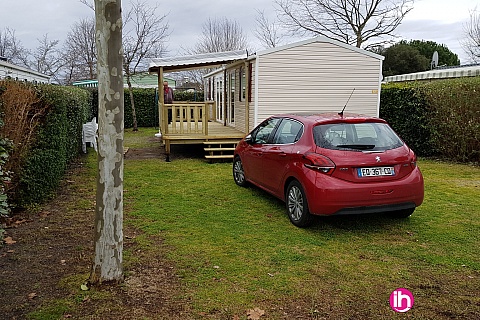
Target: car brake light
319, 163
413, 162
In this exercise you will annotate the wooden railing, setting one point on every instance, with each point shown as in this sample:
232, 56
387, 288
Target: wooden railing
187, 117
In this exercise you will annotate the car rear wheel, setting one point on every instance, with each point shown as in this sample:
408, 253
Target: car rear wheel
238, 173
297, 206
401, 214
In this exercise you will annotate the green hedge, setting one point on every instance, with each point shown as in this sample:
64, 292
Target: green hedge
455, 117
146, 105
58, 141
439, 118
406, 109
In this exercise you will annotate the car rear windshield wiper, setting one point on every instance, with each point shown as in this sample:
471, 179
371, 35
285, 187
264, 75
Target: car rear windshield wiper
357, 146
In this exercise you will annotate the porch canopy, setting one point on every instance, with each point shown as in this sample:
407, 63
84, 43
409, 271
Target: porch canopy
198, 61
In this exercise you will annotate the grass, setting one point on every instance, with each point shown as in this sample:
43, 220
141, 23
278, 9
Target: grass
235, 248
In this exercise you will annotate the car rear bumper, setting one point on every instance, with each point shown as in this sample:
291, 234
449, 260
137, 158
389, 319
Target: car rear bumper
334, 196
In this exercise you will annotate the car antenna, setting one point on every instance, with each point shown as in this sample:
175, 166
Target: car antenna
341, 113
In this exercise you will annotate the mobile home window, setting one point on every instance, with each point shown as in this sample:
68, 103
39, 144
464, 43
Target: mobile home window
242, 93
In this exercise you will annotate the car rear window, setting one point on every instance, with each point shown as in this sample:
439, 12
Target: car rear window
356, 136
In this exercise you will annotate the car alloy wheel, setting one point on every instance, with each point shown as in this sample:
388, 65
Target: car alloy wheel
297, 205
238, 173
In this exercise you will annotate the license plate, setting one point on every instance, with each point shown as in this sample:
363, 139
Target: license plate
376, 172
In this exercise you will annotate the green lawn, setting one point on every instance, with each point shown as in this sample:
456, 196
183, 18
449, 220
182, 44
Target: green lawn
235, 249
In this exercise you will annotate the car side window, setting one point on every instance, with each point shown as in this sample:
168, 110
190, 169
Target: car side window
262, 134
289, 131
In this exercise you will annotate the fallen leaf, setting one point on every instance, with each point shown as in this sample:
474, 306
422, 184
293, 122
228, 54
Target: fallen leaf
63, 262
9, 240
84, 287
32, 295
255, 314
10, 251
44, 214
18, 222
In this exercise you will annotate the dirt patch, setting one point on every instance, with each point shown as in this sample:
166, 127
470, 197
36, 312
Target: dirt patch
158, 152
49, 256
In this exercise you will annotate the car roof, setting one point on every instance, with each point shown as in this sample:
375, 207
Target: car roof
330, 117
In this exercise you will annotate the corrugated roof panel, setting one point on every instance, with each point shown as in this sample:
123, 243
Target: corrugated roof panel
451, 72
197, 61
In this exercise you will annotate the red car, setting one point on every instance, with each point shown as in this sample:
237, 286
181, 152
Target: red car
330, 164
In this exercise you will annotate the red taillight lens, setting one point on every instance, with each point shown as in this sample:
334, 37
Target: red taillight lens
413, 161
319, 163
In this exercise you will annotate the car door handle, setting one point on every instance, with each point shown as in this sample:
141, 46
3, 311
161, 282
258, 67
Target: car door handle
282, 154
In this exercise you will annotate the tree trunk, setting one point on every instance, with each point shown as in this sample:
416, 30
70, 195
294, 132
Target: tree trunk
132, 102
107, 263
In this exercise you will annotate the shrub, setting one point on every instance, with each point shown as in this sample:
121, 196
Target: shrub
146, 108
455, 117
146, 105
45, 123
406, 110
441, 117
5, 148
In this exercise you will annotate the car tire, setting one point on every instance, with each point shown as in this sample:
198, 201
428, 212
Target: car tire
297, 206
401, 214
238, 172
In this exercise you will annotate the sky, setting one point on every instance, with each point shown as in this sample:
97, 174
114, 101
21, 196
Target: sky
441, 21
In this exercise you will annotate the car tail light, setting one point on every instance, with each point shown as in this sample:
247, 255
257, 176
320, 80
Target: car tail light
413, 162
319, 163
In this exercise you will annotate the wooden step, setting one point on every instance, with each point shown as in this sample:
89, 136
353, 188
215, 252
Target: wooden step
222, 142
219, 149
219, 156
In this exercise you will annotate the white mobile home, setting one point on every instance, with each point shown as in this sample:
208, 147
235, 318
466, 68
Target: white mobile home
316, 75
14, 72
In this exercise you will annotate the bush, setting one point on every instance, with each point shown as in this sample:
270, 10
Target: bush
436, 118
146, 105
455, 117
45, 123
406, 110
146, 108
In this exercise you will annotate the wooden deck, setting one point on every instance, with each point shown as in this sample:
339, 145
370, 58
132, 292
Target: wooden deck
192, 123
219, 142
216, 131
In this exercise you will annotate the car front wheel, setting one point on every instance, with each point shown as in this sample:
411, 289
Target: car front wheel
297, 206
238, 173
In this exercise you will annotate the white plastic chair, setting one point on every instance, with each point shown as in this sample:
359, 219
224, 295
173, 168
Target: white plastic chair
89, 134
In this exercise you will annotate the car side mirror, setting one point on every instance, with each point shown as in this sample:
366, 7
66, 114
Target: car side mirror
248, 139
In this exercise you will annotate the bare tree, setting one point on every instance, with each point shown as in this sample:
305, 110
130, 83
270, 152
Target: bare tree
145, 38
108, 262
12, 49
80, 51
471, 43
355, 22
268, 32
47, 58
88, 3
220, 35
